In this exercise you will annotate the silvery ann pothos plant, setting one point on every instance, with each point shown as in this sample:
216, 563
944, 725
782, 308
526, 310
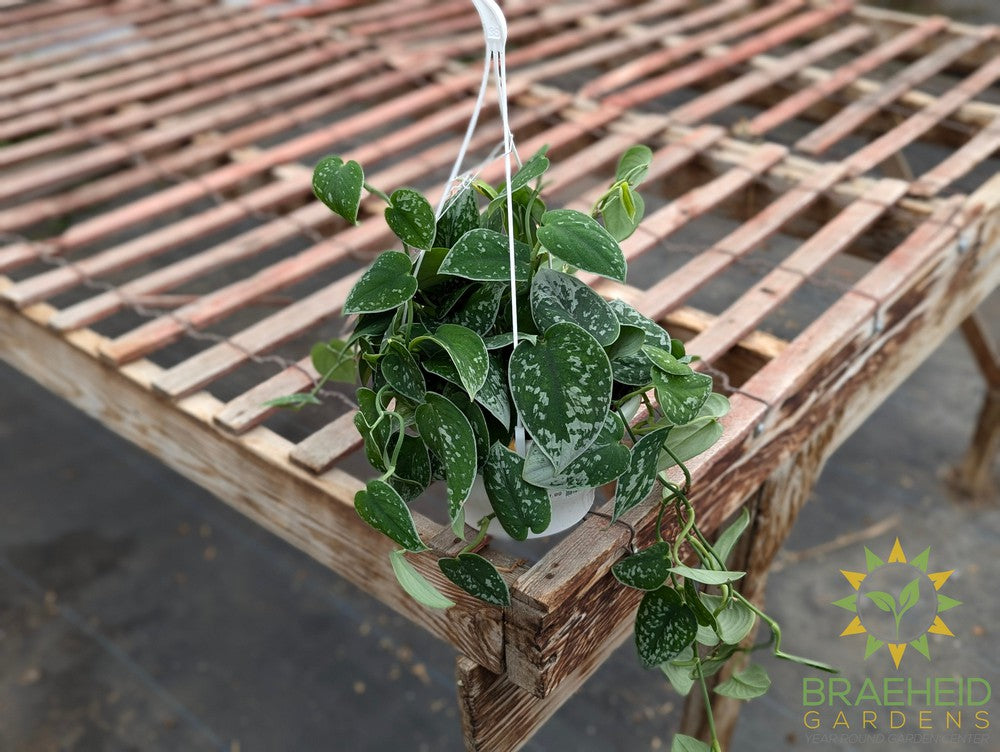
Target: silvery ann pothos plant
447, 380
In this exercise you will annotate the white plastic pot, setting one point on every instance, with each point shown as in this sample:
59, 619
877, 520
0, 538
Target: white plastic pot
568, 508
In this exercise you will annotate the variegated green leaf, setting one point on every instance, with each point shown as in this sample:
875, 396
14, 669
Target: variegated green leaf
483, 255
532, 169
460, 216
634, 369
599, 464
476, 576
664, 626
579, 240
402, 373
681, 397
338, 184
646, 570
558, 297
666, 362
493, 396
561, 387
448, 434
637, 481
479, 312
467, 352
385, 285
520, 506
413, 468
380, 506
411, 218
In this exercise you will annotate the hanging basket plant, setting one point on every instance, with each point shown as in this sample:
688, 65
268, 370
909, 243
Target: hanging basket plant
483, 362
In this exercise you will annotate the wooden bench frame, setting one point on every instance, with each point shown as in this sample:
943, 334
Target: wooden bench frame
794, 401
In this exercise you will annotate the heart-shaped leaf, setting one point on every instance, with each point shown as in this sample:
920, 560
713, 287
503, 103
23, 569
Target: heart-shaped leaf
557, 297
520, 506
706, 576
402, 373
414, 583
460, 215
747, 684
629, 342
579, 240
637, 481
380, 506
665, 361
681, 397
483, 255
411, 217
448, 434
734, 622
386, 285
561, 387
664, 626
476, 576
493, 396
634, 164
479, 312
599, 464
534, 168
413, 468
474, 414
646, 570
634, 369
338, 184
333, 360
467, 352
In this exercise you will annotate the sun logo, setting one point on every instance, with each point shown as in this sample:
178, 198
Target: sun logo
897, 603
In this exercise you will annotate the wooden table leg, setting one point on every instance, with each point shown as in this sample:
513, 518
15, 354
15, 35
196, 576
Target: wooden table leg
973, 476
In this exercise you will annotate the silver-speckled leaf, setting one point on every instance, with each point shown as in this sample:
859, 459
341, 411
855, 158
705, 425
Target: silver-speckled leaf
476, 576
520, 506
467, 352
562, 389
637, 481
411, 217
598, 465
681, 397
634, 369
338, 184
558, 297
483, 255
646, 570
493, 396
579, 240
402, 373
380, 506
448, 434
664, 626
386, 285
479, 312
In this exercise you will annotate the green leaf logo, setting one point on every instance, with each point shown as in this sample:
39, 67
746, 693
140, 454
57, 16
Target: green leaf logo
909, 596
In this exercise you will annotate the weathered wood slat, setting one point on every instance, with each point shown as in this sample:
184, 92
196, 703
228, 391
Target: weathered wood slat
739, 89
650, 63
922, 121
981, 146
856, 113
248, 410
798, 102
701, 69
676, 287
740, 318
321, 450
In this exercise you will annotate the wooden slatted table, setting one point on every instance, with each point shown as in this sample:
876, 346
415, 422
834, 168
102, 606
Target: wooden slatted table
823, 211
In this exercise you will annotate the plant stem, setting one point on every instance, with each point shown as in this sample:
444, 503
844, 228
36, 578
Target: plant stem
484, 526
376, 192
709, 716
